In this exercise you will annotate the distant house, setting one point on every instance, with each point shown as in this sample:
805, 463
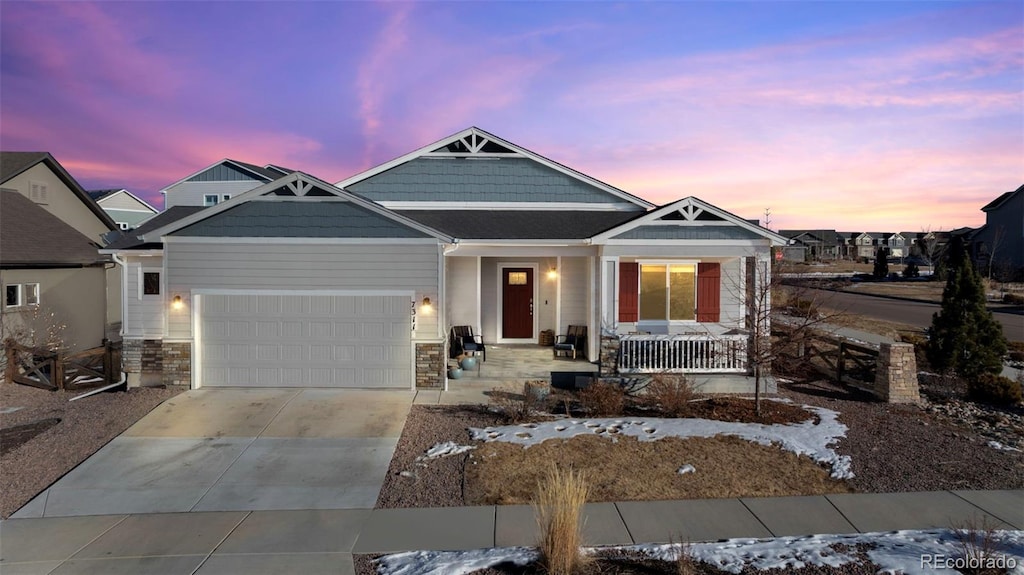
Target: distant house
127, 209
896, 244
867, 243
50, 233
816, 244
1000, 242
219, 182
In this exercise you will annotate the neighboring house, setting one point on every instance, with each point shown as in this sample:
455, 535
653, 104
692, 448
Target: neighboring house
896, 244
817, 244
866, 244
52, 275
299, 282
41, 179
1001, 240
219, 182
125, 208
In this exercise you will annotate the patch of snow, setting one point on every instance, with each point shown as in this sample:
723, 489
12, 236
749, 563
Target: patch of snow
686, 469
1001, 447
807, 438
9, 409
444, 450
894, 552
453, 562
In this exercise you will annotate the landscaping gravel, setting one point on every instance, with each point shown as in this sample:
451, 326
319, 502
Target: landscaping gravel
85, 426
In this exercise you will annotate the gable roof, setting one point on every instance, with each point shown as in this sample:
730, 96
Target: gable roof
13, 164
694, 213
132, 239
33, 237
295, 188
476, 142
1002, 199
101, 195
264, 174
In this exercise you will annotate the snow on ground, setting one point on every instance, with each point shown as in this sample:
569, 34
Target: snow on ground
907, 552
444, 450
807, 438
1001, 447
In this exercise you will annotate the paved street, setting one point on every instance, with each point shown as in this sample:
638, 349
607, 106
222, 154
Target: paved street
909, 312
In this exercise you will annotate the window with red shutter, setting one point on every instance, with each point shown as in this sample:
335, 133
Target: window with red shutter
629, 291
709, 292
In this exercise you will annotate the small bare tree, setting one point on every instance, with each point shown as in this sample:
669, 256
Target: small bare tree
998, 235
798, 309
38, 327
930, 248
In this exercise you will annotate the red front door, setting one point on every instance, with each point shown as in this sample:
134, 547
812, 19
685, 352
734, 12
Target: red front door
517, 303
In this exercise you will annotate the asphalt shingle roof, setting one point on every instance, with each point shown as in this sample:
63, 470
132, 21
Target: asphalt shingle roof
520, 224
130, 240
30, 236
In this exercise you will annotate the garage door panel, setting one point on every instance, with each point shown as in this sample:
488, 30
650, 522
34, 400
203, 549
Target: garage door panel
295, 341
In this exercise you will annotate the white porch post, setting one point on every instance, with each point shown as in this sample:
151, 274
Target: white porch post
594, 335
558, 295
479, 298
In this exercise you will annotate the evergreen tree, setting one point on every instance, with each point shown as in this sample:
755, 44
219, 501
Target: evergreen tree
881, 270
965, 338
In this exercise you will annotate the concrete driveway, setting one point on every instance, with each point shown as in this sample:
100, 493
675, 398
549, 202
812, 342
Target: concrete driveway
239, 450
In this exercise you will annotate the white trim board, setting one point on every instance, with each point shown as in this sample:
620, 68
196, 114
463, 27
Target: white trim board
509, 206
271, 240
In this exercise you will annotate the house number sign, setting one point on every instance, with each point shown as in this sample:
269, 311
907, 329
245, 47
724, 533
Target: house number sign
412, 305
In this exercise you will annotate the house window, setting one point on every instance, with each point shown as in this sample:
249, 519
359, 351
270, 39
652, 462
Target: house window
151, 283
516, 278
225, 197
12, 295
123, 226
210, 199
31, 293
668, 292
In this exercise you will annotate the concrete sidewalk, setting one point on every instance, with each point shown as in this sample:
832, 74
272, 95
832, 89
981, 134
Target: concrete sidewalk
323, 541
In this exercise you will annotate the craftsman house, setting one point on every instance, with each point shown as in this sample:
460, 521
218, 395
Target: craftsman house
298, 282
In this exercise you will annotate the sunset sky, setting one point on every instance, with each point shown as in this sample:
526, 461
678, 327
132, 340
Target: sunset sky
879, 116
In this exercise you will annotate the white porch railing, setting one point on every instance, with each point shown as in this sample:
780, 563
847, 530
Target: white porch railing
683, 353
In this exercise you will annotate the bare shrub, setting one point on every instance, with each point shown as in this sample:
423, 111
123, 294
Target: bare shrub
603, 399
946, 386
669, 393
559, 508
514, 406
977, 545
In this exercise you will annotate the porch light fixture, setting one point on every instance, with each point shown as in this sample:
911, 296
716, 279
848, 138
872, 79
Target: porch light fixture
177, 303
552, 273
426, 304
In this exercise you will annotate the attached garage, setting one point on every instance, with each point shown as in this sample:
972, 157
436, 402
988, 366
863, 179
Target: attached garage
304, 340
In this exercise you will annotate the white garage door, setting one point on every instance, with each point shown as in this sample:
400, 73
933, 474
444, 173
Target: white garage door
305, 341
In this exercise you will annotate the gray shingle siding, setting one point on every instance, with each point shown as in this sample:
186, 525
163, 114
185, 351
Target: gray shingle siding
479, 180
688, 233
225, 173
299, 220
520, 224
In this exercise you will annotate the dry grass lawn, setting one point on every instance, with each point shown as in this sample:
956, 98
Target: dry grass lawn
630, 470
928, 291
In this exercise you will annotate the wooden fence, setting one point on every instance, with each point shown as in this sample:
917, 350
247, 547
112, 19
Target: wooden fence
51, 370
851, 362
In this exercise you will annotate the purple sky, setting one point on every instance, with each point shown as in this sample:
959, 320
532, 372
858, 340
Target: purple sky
847, 115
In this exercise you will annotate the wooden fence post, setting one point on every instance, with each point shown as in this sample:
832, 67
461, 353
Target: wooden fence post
57, 371
841, 360
11, 357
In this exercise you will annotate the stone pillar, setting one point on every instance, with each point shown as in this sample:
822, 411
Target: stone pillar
896, 373
177, 363
430, 365
609, 356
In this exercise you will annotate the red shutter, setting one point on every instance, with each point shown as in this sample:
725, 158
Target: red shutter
709, 292
629, 291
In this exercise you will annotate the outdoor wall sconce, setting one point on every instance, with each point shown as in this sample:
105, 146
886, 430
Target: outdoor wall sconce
552, 273
426, 304
177, 303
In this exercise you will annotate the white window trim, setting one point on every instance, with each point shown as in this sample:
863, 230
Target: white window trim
25, 294
225, 197
211, 200
668, 301
124, 226
142, 284
20, 296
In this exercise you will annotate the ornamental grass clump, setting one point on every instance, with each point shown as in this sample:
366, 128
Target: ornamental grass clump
561, 495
